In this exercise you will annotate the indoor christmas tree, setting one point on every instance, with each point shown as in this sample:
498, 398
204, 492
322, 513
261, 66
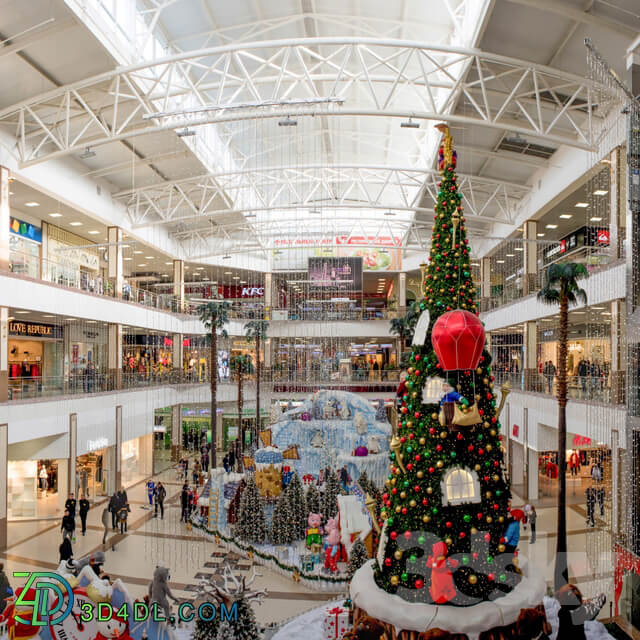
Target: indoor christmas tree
313, 500
206, 629
282, 524
446, 502
225, 631
330, 496
357, 557
245, 627
297, 506
252, 525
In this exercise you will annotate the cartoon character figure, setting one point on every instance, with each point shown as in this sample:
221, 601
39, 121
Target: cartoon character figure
115, 627
159, 590
332, 546
442, 588
314, 532
151, 486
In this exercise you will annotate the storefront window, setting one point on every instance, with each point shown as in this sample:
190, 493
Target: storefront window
137, 458
94, 474
24, 256
36, 488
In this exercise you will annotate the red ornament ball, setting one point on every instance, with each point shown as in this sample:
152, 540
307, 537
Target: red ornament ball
419, 583
487, 537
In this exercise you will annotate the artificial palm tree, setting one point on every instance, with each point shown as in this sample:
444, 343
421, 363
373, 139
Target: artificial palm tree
214, 315
241, 367
404, 326
256, 330
561, 289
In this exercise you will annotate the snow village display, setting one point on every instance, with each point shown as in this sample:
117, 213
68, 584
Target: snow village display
442, 560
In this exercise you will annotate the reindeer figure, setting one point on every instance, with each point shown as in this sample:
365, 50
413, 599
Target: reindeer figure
233, 589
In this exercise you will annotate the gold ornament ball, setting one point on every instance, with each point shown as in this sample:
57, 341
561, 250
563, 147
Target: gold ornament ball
489, 519
477, 397
387, 482
441, 290
394, 580
485, 380
422, 441
434, 416
410, 370
501, 548
426, 518
479, 371
409, 424
459, 387
486, 425
492, 432
429, 490
489, 447
515, 562
398, 509
443, 434
439, 464
403, 495
384, 515
420, 474
414, 394
501, 519
473, 579
474, 530
487, 495
412, 503
495, 477
477, 468
398, 555
393, 480
448, 542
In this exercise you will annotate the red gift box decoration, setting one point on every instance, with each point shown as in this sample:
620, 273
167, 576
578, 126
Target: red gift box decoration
336, 623
458, 339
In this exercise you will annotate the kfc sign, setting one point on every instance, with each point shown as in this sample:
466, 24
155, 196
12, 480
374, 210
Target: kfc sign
234, 292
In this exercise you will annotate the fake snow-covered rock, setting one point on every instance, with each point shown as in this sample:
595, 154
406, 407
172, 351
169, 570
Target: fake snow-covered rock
360, 423
354, 519
340, 437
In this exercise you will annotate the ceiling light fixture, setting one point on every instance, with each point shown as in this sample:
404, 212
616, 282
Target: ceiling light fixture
409, 124
142, 264
185, 133
149, 257
127, 258
93, 232
566, 216
552, 226
137, 252
75, 224
168, 262
600, 192
87, 153
511, 255
518, 249
582, 205
31, 204
55, 215
500, 261
287, 122
541, 235
595, 219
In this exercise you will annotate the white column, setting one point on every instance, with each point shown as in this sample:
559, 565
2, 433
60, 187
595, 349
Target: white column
178, 282
618, 206
176, 355
268, 295
114, 259
176, 432
4, 219
530, 364
485, 283
44, 252
115, 355
402, 290
4, 355
73, 452
530, 256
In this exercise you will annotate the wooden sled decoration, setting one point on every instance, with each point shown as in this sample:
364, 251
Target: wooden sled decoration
291, 453
265, 437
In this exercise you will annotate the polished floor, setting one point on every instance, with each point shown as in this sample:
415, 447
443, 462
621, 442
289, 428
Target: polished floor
189, 556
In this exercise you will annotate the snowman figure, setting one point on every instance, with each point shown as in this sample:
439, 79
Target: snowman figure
115, 627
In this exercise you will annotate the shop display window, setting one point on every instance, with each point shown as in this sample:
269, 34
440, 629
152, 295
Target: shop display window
35, 488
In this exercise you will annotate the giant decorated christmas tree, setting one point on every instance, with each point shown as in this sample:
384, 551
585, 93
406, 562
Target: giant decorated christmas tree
447, 499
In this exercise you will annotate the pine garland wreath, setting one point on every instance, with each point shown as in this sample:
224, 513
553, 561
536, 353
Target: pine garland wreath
447, 487
282, 525
313, 501
357, 557
330, 496
252, 524
297, 506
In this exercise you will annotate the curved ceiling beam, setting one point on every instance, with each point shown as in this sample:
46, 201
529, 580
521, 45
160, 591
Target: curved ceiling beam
499, 92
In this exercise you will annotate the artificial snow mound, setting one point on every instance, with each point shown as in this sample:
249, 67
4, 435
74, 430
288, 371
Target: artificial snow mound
414, 616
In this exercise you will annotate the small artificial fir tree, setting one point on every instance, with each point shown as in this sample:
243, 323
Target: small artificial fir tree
313, 500
225, 631
330, 496
357, 557
297, 506
431, 463
245, 626
282, 525
252, 524
206, 629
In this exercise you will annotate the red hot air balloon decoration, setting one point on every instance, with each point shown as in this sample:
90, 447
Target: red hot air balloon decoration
458, 340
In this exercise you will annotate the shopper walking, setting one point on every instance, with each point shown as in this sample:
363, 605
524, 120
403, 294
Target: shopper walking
160, 495
225, 463
70, 505
204, 461
66, 550
512, 534
600, 497
196, 473
123, 514
574, 463
184, 503
84, 507
533, 516
582, 374
68, 525
105, 523
113, 509
591, 503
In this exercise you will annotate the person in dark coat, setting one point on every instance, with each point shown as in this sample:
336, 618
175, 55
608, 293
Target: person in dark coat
66, 550
68, 525
184, 504
204, 461
113, 508
84, 512
232, 459
574, 612
160, 493
591, 505
70, 505
5, 588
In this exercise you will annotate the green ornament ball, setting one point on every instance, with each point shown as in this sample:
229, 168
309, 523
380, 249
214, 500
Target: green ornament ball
465, 559
503, 577
453, 454
390, 521
412, 559
405, 483
489, 560
421, 540
498, 492
404, 577
434, 511
466, 518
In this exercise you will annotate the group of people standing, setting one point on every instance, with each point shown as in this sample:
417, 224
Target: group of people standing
188, 502
119, 509
592, 377
68, 526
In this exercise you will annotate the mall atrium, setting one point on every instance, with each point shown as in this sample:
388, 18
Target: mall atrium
319, 319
